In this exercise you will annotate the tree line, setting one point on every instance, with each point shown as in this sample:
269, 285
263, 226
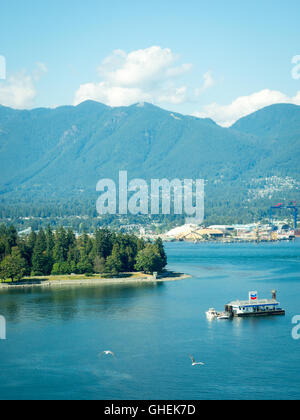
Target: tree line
60, 252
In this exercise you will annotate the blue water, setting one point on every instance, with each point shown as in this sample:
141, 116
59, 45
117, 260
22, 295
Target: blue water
54, 337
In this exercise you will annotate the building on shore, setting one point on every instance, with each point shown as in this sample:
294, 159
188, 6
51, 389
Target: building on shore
193, 233
231, 233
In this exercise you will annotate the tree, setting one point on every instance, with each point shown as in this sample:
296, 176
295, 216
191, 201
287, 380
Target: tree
99, 265
50, 243
84, 266
12, 236
9, 239
127, 251
41, 263
63, 253
13, 266
113, 265
149, 260
2, 249
140, 244
60, 268
31, 240
61, 248
86, 246
103, 243
26, 254
161, 250
70, 239
73, 258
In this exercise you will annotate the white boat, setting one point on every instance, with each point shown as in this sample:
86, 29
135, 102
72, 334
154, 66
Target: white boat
212, 313
223, 316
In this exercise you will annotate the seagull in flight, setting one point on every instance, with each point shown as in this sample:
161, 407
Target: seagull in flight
194, 363
108, 353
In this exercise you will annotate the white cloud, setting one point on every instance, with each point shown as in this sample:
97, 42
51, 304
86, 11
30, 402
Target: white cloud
19, 90
110, 95
208, 82
138, 68
39, 71
173, 95
226, 115
178, 71
144, 75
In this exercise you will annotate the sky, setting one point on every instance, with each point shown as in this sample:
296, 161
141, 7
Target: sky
217, 59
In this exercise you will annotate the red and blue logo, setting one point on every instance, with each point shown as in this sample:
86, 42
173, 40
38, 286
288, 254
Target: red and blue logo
253, 295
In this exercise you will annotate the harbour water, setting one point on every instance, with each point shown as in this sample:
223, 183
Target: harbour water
54, 337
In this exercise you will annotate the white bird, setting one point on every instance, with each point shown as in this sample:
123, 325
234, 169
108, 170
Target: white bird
108, 353
194, 363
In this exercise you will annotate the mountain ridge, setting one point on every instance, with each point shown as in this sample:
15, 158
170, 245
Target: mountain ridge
63, 152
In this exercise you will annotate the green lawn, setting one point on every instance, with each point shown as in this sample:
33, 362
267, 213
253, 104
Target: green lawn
76, 277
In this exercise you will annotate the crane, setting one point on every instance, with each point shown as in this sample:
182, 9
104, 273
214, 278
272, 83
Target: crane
292, 206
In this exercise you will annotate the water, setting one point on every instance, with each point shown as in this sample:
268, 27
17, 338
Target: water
54, 337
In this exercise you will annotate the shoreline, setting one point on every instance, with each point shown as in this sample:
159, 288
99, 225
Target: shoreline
146, 279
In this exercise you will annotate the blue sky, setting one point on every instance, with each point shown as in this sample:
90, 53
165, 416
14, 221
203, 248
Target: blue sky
218, 59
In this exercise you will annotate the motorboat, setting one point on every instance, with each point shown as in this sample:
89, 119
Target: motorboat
212, 313
223, 315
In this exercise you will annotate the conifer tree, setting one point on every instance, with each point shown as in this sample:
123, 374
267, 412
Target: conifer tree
103, 243
161, 250
31, 243
60, 252
41, 264
50, 243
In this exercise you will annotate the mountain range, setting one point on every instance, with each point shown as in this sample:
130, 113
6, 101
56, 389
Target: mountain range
61, 153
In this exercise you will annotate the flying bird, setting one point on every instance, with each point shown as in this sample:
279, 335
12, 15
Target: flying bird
194, 363
108, 353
